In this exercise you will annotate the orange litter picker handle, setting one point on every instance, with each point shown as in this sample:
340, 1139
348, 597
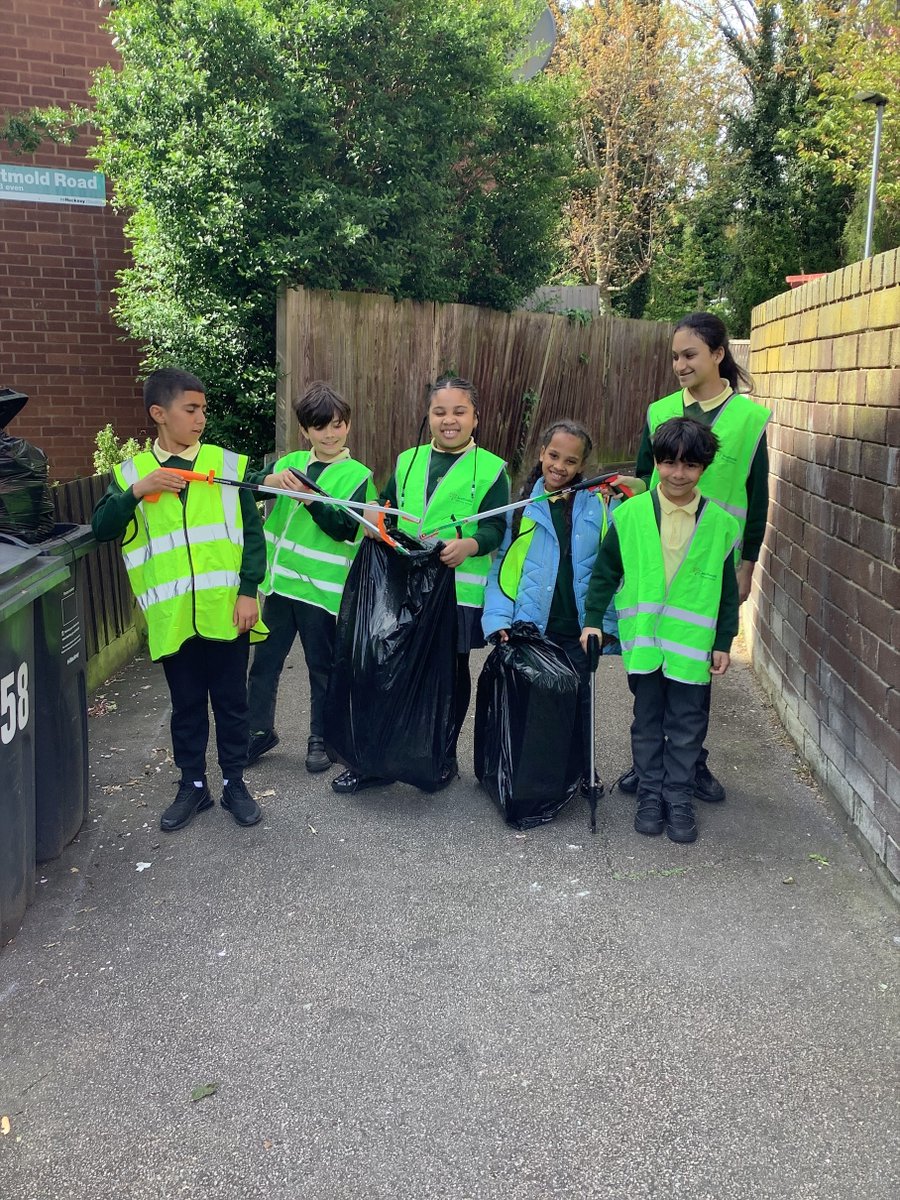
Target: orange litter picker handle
194, 476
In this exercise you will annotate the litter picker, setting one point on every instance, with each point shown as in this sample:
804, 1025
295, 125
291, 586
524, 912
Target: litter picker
350, 505
593, 658
608, 480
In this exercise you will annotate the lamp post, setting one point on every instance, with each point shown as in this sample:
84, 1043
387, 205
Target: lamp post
880, 103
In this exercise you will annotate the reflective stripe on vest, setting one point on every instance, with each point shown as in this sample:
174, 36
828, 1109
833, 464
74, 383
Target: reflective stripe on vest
457, 497
671, 628
303, 562
185, 556
739, 424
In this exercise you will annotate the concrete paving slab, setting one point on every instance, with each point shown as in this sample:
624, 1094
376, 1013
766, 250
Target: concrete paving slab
399, 996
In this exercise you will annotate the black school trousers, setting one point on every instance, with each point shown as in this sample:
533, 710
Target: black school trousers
201, 673
286, 619
670, 722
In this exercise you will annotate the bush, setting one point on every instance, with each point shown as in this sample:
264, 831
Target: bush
109, 452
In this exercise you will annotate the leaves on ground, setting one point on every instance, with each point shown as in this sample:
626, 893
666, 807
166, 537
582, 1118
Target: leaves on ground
202, 1090
819, 859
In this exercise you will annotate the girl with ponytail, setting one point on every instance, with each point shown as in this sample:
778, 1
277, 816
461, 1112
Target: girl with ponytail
544, 566
447, 481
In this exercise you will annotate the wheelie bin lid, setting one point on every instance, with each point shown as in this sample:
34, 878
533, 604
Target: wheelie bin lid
25, 576
11, 404
68, 541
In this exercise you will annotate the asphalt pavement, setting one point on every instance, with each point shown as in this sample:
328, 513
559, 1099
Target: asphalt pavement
396, 995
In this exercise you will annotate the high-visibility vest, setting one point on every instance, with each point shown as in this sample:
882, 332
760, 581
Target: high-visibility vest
671, 628
304, 563
455, 499
509, 577
739, 425
184, 559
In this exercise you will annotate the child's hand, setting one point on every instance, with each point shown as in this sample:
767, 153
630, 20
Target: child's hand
458, 551
372, 515
634, 485
246, 613
590, 631
500, 636
158, 481
720, 662
287, 480
745, 579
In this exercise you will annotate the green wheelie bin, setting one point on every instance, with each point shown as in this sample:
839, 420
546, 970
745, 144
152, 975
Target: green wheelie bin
24, 578
61, 731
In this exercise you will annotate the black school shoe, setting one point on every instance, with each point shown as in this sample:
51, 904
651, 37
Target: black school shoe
349, 782
316, 758
706, 786
238, 801
680, 823
448, 775
627, 782
261, 743
649, 818
189, 801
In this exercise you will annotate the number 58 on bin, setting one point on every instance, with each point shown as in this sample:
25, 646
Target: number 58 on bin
13, 703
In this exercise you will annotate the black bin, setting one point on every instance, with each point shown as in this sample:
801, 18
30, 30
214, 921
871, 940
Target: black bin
24, 578
61, 732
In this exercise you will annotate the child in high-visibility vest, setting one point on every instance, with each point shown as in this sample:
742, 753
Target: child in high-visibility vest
448, 481
710, 391
544, 566
668, 559
310, 547
195, 556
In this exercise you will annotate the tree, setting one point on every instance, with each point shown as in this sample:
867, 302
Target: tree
646, 112
364, 145
851, 48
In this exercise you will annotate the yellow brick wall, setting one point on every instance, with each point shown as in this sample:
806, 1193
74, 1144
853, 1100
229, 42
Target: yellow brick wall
824, 615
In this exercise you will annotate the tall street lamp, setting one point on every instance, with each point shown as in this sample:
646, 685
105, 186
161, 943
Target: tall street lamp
880, 103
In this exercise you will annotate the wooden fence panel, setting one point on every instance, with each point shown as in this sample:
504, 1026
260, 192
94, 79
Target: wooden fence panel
109, 603
382, 354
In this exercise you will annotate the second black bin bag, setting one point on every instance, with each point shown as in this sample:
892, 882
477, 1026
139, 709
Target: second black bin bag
524, 719
391, 693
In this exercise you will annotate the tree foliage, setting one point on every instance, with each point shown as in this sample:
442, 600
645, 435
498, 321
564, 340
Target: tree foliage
370, 145
852, 46
646, 111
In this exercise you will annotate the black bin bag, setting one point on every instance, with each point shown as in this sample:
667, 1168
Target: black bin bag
525, 716
26, 503
390, 704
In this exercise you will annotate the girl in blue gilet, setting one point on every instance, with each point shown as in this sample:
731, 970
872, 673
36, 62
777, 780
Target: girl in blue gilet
544, 566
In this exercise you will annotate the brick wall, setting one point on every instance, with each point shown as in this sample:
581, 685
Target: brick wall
824, 620
58, 342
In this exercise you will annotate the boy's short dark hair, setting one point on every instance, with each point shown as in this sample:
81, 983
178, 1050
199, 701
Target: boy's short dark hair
684, 438
165, 385
319, 405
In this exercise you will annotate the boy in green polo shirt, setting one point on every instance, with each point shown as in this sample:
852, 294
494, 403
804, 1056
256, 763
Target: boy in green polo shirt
311, 545
195, 556
668, 559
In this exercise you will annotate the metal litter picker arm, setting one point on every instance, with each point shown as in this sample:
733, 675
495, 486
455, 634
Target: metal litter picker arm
261, 489
597, 482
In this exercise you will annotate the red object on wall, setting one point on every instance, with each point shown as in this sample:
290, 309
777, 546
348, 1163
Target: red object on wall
796, 281
58, 262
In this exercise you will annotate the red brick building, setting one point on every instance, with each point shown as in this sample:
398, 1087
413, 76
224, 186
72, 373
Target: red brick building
58, 262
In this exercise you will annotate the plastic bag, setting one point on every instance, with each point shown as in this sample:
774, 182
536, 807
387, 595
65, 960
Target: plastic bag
26, 503
525, 716
390, 704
